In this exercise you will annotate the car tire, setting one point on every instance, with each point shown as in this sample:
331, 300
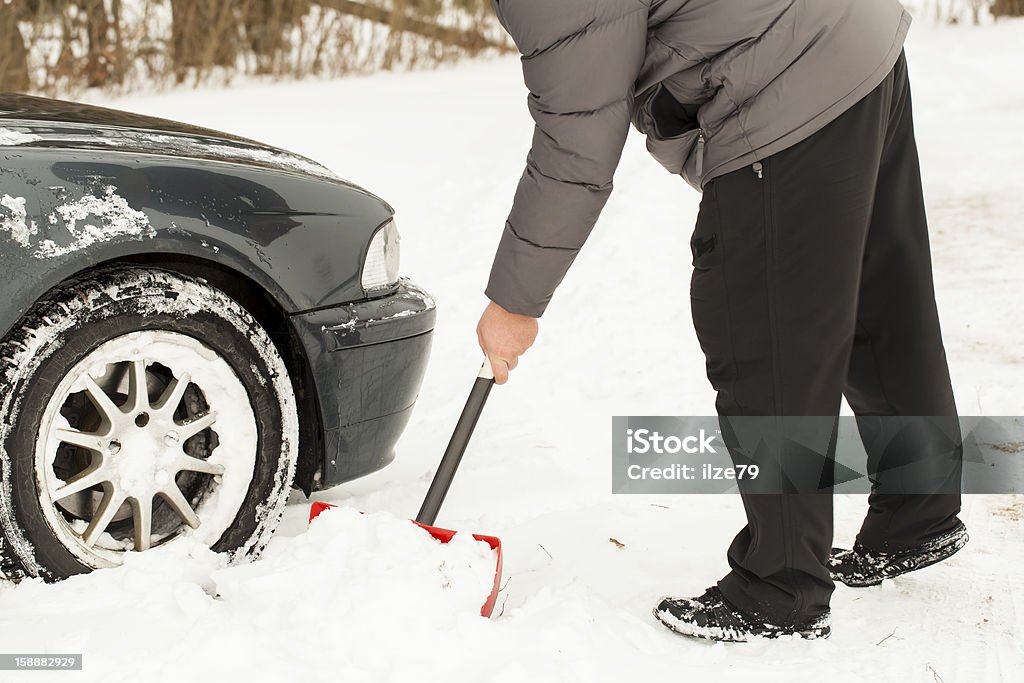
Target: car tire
197, 400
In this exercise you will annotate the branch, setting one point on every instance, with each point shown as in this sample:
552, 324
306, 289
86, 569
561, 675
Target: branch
399, 21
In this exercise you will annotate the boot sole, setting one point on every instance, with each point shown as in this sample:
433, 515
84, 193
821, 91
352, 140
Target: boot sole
722, 635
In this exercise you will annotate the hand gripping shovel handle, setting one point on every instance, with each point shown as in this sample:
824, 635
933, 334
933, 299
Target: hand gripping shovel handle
457, 446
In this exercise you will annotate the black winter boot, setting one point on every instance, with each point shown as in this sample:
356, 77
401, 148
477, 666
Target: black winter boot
861, 567
712, 618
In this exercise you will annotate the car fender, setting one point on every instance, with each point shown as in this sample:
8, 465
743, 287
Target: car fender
302, 239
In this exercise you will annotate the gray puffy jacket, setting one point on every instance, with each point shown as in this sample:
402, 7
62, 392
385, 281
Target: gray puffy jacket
714, 85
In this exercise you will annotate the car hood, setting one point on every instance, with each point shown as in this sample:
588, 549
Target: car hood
45, 122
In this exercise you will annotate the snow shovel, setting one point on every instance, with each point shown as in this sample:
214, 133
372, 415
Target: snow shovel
446, 472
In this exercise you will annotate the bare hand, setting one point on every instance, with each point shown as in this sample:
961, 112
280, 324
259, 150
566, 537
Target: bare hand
504, 337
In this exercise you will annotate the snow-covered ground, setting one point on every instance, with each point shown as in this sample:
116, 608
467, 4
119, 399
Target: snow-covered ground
446, 148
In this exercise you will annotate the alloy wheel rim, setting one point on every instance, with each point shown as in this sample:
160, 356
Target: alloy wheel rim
163, 434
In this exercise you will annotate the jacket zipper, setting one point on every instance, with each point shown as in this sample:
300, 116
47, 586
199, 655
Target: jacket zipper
700, 154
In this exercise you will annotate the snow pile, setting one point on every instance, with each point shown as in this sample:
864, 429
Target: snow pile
373, 570
338, 593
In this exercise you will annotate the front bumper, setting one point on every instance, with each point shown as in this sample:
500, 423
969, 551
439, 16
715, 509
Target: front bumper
367, 361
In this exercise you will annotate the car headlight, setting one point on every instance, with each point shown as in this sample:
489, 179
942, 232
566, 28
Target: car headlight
380, 270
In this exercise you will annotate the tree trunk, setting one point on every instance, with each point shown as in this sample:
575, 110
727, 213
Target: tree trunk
267, 26
1008, 8
204, 35
13, 54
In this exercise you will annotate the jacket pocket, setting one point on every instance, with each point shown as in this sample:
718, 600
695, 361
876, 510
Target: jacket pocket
672, 128
670, 117
673, 152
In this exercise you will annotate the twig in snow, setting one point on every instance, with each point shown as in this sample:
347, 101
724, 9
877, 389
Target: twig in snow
935, 675
1009, 447
656, 505
507, 579
545, 550
886, 638
617, 543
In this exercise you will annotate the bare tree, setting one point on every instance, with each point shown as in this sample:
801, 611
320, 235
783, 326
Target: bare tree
1008, 8
100, 28
61, 46
13, 54
402, 21
976, 7
268, 25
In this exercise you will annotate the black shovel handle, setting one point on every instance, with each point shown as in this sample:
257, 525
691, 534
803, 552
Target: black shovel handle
457, 446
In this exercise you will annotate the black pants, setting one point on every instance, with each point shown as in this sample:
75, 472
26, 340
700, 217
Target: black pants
812, 279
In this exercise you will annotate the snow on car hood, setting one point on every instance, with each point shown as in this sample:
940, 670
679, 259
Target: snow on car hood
13, 137
47, 122
176, 144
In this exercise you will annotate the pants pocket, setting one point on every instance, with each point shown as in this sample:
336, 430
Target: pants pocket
707, 293
705, 243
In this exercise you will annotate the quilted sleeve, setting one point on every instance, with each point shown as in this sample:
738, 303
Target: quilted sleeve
580, 60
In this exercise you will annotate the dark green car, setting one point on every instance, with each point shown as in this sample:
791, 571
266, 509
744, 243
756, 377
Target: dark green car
191, 324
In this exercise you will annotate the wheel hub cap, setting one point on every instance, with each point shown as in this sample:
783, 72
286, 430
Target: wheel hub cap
171, 443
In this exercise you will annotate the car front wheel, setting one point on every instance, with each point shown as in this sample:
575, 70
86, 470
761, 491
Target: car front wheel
139, 407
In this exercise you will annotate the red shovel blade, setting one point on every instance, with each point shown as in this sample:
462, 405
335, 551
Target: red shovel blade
444, 536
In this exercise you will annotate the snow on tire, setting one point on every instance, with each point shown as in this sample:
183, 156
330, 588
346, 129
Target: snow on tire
139, 407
